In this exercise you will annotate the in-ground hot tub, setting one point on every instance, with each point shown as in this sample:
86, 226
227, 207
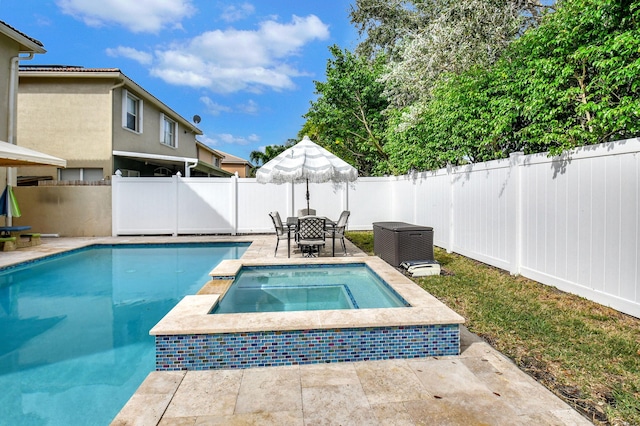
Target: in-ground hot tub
280, 288
191, 338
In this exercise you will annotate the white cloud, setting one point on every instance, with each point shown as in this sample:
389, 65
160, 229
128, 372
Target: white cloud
240, 60
128, 52
236, 13
229, 139
251, 107
213, 107
137, 16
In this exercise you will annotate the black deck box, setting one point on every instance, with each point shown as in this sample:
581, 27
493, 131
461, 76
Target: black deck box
396, 242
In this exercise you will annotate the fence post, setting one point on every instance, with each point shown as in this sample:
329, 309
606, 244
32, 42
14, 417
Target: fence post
451, 208
176, 210
234, 203
345, 196
515, 163
115, 195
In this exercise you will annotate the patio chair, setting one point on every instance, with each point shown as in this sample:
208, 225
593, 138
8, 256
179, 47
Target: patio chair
340, 227
310, 235
281, 234
306, 212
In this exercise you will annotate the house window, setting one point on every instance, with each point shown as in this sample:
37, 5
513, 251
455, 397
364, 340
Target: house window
129, 173
131, 112
168, 133
81, 174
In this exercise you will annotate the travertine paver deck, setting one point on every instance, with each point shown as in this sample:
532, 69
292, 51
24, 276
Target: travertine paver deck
478, 387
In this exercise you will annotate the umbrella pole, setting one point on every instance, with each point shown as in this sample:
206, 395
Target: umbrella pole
307, 194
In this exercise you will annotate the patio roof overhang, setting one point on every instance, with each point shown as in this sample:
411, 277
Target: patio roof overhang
169, 160
211, 169
160, 160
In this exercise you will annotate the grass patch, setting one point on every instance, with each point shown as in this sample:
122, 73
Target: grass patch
586, 353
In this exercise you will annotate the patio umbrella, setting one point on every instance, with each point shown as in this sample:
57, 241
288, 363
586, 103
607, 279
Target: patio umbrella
306, 162
13, 156
8, 203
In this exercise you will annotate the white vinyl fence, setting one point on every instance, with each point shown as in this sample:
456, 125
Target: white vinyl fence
571, 221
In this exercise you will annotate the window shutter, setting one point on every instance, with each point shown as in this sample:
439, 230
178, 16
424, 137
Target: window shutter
124, 107
140, 114
161, 127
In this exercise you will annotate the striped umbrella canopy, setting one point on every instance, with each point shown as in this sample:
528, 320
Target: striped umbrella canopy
306, 162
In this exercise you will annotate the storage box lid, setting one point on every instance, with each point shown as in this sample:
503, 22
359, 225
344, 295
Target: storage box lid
401, 226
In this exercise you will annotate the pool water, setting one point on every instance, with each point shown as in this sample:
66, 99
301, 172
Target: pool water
74, 330
306, 288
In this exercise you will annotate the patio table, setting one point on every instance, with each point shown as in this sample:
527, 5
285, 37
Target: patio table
5, 231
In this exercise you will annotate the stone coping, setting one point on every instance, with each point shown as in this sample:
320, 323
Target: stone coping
191, 314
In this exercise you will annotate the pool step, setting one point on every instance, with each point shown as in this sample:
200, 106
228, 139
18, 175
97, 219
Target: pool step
215, 287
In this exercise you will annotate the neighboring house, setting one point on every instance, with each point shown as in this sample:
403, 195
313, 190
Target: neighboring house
101, 121
211, 158
14, 47
234, 164
13, 44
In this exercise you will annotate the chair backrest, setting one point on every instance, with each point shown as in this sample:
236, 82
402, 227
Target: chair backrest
311, 228
342, 220
306, 212
277, 222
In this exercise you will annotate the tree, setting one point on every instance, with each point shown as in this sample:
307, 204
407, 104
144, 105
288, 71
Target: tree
578, 75
385, 24
572, 81
347, 116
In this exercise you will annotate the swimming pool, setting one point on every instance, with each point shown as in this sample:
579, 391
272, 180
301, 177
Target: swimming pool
74, 329
307, 288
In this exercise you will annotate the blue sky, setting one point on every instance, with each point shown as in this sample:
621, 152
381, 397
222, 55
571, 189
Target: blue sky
245, 67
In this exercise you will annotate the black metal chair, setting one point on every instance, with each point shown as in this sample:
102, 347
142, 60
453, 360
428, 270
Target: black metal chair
281, 234
338, 230
311, 235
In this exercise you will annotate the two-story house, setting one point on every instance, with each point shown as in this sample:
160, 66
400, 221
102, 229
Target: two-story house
101, 121
15, 46
212, 158
234, 164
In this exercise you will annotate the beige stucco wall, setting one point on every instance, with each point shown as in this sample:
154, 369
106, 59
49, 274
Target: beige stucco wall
67, 118
233, 168
149, 140
70, 211
8, 49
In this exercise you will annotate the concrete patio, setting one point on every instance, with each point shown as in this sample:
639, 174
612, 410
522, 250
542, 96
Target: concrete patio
480, 386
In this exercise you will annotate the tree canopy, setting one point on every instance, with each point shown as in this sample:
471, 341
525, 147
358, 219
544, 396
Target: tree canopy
437, 82
347, 117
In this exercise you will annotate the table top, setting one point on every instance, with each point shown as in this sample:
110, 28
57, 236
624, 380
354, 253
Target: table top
293, 221
14, 228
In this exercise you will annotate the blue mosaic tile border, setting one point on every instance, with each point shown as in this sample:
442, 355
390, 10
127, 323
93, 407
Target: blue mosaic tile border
272, 348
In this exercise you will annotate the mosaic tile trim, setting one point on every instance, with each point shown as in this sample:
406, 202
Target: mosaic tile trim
272, 348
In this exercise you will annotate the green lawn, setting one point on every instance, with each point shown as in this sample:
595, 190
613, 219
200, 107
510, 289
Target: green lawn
584, 352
